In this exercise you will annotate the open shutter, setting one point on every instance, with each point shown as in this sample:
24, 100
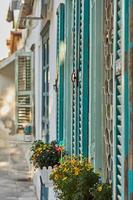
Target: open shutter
60, 70
23, 90
80, 77
120, 100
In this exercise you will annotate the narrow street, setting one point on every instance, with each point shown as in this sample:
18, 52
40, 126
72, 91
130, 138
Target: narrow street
15, 182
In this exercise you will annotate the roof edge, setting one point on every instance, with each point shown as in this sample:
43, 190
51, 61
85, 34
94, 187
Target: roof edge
7, 61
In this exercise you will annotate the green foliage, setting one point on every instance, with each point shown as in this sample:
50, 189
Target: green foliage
45, 155
103, 192
75, 179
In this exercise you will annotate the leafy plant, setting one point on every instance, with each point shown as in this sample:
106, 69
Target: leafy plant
103, 192
75, 179
45, 155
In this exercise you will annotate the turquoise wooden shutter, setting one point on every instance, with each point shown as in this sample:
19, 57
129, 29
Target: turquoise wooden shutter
118, 103
74, 90
96, 74
80, 77
60, 70
24, 90
120, 99
67, 75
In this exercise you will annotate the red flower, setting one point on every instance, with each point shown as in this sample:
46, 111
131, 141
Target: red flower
58, 149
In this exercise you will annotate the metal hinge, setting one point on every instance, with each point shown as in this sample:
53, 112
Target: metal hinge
74, 77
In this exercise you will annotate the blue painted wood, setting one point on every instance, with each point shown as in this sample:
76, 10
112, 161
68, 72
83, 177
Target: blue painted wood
130, 182
129, 49
118, 132
96, 86
44, 191
74, 91
121, 106
67, 76
60, 71
85, 77
80, 77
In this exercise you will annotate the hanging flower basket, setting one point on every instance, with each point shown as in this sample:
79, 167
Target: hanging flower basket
46, 155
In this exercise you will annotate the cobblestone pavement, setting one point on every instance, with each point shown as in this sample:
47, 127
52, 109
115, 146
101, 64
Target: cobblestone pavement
15, 181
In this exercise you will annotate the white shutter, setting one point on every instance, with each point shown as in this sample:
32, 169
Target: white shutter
23, 90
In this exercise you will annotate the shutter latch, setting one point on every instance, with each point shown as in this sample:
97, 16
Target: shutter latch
74, 77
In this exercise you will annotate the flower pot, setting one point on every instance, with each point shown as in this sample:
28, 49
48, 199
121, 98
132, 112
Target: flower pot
44, 175
41, 177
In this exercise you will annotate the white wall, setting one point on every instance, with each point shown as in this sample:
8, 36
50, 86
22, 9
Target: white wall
52, 64
34, 37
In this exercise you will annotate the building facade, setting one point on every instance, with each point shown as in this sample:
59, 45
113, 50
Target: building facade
82, 81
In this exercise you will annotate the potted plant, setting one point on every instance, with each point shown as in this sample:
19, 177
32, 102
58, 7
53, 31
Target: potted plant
75, 179
28, 132
44, 157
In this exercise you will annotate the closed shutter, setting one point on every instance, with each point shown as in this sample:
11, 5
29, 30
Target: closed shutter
23, 90
80, 77
120, 101
60, 71
74, 76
